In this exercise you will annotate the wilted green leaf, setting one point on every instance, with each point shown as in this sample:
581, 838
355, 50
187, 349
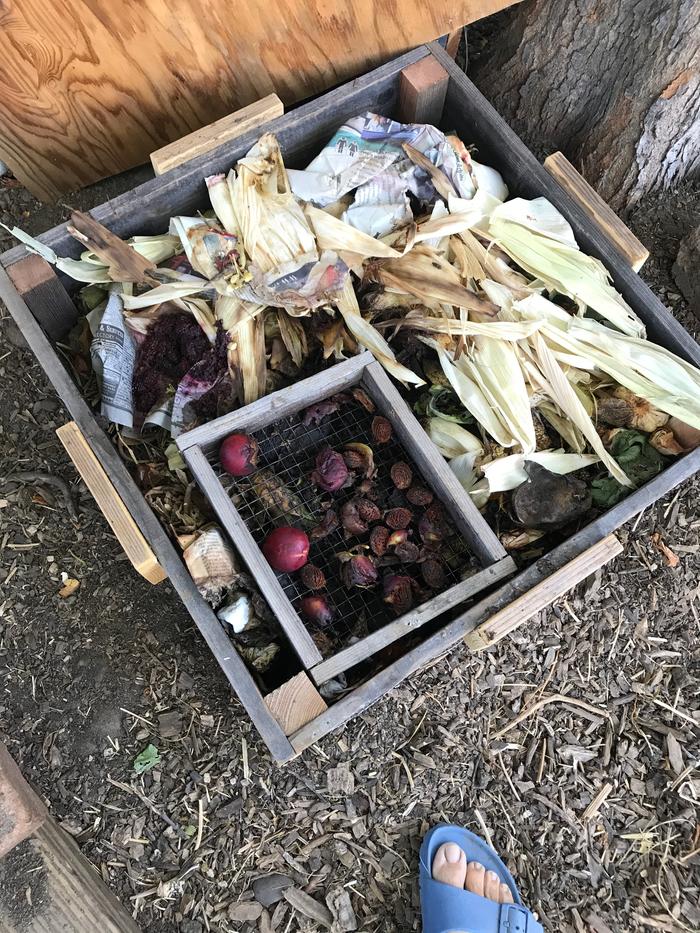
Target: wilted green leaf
146, 759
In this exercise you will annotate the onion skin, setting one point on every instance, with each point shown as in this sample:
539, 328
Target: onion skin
286, 549
239, 454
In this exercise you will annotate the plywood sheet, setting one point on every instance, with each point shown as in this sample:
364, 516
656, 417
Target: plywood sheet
92, 87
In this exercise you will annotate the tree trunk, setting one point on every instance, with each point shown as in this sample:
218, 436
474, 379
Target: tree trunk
613, 84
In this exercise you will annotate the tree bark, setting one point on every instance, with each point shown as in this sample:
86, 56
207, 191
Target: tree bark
613, 84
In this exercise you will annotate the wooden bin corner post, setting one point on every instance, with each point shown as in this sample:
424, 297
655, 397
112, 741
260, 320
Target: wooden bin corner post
295, 703
422, 90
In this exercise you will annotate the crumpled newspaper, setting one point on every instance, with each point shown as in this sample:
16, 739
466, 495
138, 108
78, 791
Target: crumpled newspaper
366, 154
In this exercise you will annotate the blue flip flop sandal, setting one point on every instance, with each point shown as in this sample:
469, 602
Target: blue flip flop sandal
454, 910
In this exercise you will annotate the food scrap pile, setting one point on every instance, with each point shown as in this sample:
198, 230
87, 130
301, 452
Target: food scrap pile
528, 369
355, 534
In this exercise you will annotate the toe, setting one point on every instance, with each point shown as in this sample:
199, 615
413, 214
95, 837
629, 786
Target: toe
506, 895
492, 886
476, 878
450, 865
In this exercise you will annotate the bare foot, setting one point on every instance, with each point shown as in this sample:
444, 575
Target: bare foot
450, 867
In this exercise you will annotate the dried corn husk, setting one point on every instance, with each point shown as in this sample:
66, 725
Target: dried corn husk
334, 234
546, 252
275, 233
451, 439
428, 275
293, 335
245, 326
370, 337
220, 196
508, 472
549, 377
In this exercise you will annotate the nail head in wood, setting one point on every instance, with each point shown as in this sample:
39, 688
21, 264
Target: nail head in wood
595, 207
295, 703
422, 90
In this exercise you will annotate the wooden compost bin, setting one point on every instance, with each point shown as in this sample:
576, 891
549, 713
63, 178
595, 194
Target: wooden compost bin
39, 302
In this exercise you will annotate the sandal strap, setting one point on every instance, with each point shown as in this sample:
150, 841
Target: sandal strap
517, 919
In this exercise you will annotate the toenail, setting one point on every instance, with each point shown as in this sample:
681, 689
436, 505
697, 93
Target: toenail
453, 853
476, 866
492, 876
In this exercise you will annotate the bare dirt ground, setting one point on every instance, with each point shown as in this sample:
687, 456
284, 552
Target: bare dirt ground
86, 681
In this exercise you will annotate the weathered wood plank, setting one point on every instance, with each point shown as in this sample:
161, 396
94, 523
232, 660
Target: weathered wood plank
229, 660
542, 595
126, 531
244, 543
422, 92
468, 519
595, 207
295, 703
410, 621
74, 898
216, 134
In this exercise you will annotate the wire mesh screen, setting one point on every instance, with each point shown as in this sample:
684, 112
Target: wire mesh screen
280, 491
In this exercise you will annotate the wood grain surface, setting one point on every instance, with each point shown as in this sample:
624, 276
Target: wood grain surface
92, 87
295, 703
612, 226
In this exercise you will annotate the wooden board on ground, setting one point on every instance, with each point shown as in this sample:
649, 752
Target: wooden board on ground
108, 499
615, 229
295, 703
544, 594
62, 893
220, 131
95, 90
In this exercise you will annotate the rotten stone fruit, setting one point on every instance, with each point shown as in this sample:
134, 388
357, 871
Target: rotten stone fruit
431, 526
312, 577
433, 573
378, 538
318, 610
315, 414
398, 592
286, 549
325, 527
359, 457
419, 495
407, 552
357, 570
398, 518
547, 500
401, 475
361, 396
331, 473
239, 454
381, 429
357, 514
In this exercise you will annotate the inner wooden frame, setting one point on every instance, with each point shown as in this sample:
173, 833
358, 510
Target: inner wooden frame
201, 444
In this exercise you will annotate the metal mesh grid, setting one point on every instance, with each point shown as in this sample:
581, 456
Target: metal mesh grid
287, 449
